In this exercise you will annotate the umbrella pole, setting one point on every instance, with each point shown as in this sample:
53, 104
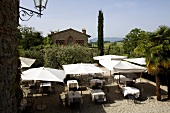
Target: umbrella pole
119, 83
110, 72
41, 107
42, 95
81, 84
119, 77
140, 76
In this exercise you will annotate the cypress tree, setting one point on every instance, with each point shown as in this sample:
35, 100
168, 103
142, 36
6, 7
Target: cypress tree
100, 33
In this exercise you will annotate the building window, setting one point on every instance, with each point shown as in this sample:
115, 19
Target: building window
80, 42
60, 42
70, 41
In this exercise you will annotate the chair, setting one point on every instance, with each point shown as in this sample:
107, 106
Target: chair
62, 98
29, 95
53, 89
141, 97
75, 105
107, 98
131, 98
46, 89
29, 106
100, 100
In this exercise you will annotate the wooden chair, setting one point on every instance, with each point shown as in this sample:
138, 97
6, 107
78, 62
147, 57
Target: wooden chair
131, 98
29, 107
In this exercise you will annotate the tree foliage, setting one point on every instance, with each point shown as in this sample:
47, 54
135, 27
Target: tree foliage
37, 54
100, 33
28, 37
132, 40
57, 56
156, 48
47, 41
115, 48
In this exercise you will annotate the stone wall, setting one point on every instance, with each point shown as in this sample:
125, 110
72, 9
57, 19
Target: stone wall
8, 55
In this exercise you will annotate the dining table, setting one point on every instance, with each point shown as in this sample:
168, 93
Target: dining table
45, 87
72, 84
119, 78
96, 83
74, 97
130, 91
98, 95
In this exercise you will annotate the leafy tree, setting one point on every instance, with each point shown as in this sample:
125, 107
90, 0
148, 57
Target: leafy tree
131, 41
116, 48
28, 37
35, 54
156, 48
47, 41
100, 33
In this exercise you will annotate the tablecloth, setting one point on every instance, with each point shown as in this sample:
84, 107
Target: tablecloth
131, 90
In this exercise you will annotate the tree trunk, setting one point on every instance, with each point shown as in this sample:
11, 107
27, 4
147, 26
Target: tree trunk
158, 90
8, 55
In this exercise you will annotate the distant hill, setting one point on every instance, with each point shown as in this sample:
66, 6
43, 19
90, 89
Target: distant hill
110, 39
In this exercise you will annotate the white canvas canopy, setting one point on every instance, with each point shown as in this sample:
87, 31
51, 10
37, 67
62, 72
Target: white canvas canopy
81, 68
140, 61
109, 57
121, 66
26, 62
43, 74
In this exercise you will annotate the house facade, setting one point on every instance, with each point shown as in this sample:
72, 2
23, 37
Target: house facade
70, 37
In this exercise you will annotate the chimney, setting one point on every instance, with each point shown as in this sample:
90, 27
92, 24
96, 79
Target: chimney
52, 32
84, 30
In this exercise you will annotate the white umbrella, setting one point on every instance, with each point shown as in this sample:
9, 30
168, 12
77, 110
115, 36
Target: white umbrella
43, 74
81, 69
26, 62
121, 66
109, 57
140, 61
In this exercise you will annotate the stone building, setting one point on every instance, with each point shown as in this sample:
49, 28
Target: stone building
70, 37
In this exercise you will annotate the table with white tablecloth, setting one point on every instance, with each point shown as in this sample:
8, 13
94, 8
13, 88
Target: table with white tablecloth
130, 90
96, 82
121, 77
45, 87
98, 94
72, 84
45, 84
74, 96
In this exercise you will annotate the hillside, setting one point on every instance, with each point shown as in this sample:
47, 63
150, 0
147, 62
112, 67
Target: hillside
110, 39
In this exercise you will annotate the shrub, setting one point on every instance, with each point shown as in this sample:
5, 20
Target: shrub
55, 57
35, 54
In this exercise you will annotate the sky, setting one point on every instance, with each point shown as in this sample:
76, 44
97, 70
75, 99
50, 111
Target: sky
120, 16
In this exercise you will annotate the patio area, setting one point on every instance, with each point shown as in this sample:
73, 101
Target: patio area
115, 101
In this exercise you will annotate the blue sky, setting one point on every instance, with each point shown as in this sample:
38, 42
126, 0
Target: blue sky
120, 16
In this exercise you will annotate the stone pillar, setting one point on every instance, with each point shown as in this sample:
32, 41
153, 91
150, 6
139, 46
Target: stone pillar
8, 55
